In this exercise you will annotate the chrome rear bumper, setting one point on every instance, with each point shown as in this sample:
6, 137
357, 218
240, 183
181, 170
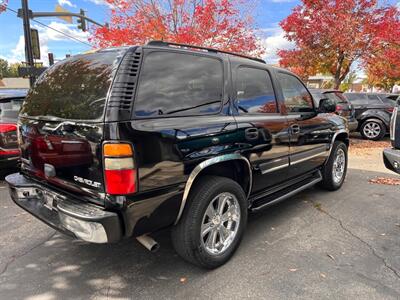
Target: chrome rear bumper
71, 216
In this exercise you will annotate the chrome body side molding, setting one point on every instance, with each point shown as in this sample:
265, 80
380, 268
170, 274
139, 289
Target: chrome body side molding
209, 162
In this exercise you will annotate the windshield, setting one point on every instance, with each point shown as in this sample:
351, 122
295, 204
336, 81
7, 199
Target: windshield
75, 88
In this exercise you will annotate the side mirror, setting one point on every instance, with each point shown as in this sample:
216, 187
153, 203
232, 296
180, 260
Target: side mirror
326, 106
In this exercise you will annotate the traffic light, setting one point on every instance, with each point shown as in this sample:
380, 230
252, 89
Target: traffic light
81, 21
51, 59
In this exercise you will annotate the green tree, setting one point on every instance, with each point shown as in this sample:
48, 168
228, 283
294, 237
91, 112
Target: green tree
3, 68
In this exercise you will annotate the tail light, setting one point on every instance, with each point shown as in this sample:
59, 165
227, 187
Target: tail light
339, 107
390, 109
8, 139
119, 169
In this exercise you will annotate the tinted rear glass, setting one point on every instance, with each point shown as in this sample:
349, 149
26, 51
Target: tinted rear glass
75, 88
174, 83
9, 110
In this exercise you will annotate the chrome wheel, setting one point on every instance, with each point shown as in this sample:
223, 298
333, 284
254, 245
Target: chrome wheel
220, 223
372, 130
339, 165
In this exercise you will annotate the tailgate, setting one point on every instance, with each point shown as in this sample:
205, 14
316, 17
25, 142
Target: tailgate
65, 154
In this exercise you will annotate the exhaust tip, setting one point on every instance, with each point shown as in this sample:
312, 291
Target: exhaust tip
148, 242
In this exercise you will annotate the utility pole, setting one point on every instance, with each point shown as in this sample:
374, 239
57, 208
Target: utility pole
28, 40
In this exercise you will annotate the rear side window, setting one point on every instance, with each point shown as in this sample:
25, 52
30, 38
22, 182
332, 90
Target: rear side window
373, 99
75, 88
356, 98
182, 84
255, 93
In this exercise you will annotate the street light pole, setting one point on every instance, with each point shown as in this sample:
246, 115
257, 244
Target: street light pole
28, 39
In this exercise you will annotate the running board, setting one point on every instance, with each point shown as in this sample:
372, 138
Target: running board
286, 192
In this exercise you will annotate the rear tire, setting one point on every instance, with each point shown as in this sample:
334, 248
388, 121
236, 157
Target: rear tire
203, 235
335, 169
373, 130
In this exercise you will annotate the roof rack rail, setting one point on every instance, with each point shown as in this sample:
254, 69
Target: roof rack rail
166, 44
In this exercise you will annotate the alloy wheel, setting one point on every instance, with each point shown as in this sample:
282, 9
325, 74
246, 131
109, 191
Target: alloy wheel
339, 165
220, 223
372, 130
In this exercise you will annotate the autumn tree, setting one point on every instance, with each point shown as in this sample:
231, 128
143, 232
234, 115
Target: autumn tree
221, 24
331, 35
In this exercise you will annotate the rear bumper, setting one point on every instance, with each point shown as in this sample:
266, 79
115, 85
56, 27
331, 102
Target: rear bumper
391, 158
78, 219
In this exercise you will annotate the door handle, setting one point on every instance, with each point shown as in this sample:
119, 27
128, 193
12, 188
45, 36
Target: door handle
295, 129
251, 134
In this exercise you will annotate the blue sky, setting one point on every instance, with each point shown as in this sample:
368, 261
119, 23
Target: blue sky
267, 16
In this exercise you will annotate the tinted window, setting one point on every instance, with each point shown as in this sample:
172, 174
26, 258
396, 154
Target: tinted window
356, 98
179, 84
75, 88
373, 99
9, 110
297, 97
254, 90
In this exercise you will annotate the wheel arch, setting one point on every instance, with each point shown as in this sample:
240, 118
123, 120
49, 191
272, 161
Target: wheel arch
373, 118
221, 166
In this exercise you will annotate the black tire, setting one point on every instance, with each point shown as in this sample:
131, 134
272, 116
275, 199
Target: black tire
186, 234
377, 124
328, 181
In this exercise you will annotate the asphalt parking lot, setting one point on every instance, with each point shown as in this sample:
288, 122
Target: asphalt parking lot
316, 245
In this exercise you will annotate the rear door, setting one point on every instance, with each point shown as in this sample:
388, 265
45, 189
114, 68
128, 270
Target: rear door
359, 102
61, 123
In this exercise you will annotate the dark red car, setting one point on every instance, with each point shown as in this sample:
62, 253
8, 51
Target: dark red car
10, 103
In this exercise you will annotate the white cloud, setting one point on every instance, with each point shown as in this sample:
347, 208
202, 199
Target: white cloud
66, 3
46, 35
273, 41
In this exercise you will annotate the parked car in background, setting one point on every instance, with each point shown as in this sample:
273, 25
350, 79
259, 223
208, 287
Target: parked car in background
391, 156
123, 142
10, 103
343, 107
372, 113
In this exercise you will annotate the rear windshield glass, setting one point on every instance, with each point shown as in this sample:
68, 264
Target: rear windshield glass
75, 88
9, 110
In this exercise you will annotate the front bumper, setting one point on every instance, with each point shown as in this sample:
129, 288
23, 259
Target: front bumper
391, 158
63, 212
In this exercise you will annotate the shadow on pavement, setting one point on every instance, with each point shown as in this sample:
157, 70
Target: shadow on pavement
292, 234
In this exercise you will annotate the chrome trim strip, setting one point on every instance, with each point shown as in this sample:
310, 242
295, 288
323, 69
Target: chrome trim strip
308, 157
284, 164
200, 167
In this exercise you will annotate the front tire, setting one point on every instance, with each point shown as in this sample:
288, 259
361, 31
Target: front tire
335, 169
213, 222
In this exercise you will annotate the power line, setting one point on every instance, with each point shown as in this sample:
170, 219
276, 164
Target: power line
59, 31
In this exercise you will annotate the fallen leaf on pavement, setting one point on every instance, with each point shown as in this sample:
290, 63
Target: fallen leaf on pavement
292, 270
322, 275
385, 180
183, 280
330, 256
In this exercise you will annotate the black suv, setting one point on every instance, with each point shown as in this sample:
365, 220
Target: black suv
343, 106
127, 141
373, 113
391, 156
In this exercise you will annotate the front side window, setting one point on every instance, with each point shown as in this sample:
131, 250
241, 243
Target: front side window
255, 93
297, 97
174, 84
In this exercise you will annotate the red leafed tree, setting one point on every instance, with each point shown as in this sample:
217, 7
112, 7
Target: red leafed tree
3, 5
330, 35
220, 24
